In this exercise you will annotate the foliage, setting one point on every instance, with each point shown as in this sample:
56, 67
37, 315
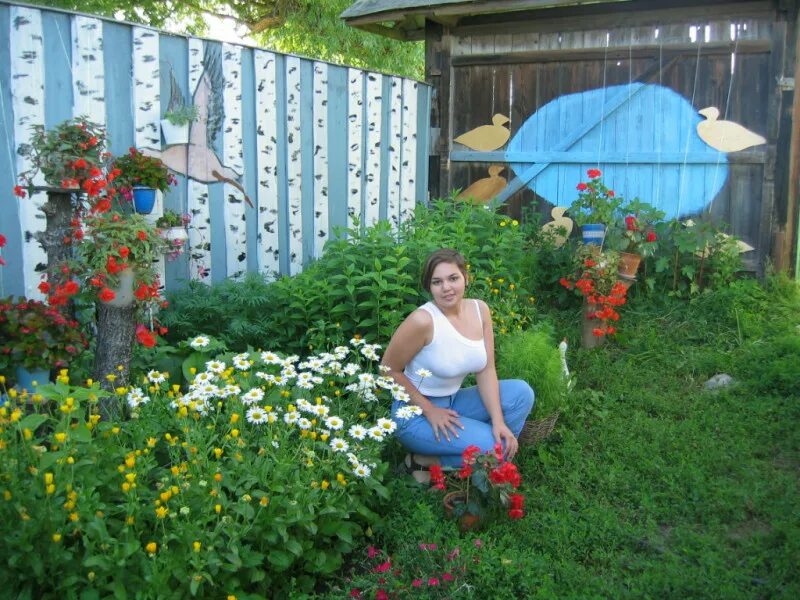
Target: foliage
34, 335
137, 169
239, 485
365, 283
308, 27
182, 114
69, 155
533, 356
170, 218
486, 483
594, 278
430, 569
693, 257
634, 231
595, 202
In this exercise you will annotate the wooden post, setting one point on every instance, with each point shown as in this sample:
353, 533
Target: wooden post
588, 339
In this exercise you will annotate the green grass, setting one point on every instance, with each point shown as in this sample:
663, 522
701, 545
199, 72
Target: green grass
650, 487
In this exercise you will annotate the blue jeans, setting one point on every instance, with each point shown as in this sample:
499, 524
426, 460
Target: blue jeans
416, 434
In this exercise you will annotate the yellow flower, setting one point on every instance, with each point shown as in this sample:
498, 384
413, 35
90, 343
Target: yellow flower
89, 382
130, 461
115, 430
515, 223
111, 377
70, 460
51, 489
151, 547
126, 487
73, 516
325, 484
130, 477
217, 452
130, 520
174, 470
217, 476
48, 478
182, 411
234, 418
15, 415
7, 495
264, 501
165, 496
56, 537
218, 508
91, 575
196, 546
120, 390
175, 490
27, 433
2, 379
235, 433
231, 597
12, 393
503, 223
151, 442
161, 512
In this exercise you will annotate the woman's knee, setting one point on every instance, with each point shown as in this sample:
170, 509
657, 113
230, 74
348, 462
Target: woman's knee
516, 393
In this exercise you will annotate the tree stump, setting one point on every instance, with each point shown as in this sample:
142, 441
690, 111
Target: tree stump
588, 339
116, 328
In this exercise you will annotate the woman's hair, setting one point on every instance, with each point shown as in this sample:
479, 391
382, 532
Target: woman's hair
442, 255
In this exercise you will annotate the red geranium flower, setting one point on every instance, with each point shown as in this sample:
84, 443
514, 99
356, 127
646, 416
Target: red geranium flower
19, 191
594, 173
106, 295
581, 186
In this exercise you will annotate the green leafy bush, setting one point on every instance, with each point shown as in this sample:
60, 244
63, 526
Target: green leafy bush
258, 479
533, 356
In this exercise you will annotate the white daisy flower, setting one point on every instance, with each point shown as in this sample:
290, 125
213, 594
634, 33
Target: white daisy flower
385, 382
339, 445
375, 433
334, 423
304, 405
288, 372
321, 410
272, 417
303, 423
204, 377
357, 432
241, 362
252, 396
423, 373
387, 426
256, 415
215, 366
136, 397
156, 377
352, 459
269, 378
291, 417
305, 385
270, 358
230, 390
402, 396
366, 379
275, 444
408, 412
361, 471
290, 360
357, 342
200, 341
351, 369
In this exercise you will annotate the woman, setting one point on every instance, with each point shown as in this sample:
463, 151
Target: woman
432, 352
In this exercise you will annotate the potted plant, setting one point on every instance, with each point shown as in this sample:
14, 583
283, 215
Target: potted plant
176, 121
634, 236
595, 208
140, 176
594, 278
35, 338
172, 227
483, 485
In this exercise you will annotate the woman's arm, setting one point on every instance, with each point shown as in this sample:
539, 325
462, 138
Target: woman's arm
489, 388
414, 333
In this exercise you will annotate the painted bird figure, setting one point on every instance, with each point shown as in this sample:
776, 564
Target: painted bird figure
725, 136
483, 190
487, 137
559, 221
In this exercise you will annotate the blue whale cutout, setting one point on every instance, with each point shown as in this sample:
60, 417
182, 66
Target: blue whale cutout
642, 136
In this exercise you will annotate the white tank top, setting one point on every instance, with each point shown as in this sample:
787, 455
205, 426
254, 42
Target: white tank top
449, 356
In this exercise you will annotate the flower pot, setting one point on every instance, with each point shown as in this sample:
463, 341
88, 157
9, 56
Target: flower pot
144, 199
466, 521
628, 265
177, 236
593, 233
26, 378
123, 293
174, 134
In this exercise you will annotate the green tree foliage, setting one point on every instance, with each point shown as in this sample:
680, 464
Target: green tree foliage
307, 27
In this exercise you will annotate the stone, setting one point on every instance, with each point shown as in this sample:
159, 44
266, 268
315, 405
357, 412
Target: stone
719, 381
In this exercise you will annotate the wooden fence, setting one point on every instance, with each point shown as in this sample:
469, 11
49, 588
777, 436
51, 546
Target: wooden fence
309, 143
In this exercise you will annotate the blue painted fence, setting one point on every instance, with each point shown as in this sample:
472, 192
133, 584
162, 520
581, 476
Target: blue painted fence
310, 144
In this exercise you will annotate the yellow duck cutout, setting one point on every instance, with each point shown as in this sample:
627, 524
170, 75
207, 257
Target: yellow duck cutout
725, 136
485, 189
487, 137
559, 221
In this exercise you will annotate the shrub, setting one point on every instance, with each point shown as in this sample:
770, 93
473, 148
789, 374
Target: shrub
237, 486
533, 356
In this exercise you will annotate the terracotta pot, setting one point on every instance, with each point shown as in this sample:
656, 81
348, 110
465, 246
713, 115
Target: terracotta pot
628, 265
466, 521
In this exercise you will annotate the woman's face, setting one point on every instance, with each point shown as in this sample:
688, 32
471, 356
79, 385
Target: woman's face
447, 285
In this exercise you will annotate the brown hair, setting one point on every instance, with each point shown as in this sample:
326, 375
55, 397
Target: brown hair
442, 255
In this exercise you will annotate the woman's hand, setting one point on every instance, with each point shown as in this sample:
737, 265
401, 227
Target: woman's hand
444, 422
503, 434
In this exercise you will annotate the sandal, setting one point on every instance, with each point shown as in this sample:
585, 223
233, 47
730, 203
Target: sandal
416, 469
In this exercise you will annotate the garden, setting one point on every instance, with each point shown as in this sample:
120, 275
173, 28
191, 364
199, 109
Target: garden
234, 440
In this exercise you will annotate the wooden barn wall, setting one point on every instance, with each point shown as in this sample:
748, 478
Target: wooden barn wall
733, 63
312, 144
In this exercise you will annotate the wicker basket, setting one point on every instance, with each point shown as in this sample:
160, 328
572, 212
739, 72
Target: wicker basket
534, 432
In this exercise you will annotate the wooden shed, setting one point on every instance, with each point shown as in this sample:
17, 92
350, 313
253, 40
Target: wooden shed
617, 85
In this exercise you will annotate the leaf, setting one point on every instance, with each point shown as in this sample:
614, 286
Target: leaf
32, 421
81, 434
294, 547
279, 559
49, 458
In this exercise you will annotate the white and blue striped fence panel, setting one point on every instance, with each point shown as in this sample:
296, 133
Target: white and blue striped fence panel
311, 144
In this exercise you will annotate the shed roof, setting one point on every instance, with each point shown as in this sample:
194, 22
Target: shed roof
405, 19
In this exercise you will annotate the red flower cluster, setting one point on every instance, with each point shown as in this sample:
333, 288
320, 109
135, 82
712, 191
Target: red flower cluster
516, 511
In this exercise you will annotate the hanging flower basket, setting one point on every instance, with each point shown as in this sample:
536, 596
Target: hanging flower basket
593, 234
174, 134
123, 293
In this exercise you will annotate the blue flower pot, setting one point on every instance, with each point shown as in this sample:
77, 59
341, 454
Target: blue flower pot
593, 234
25, 378
143, 200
